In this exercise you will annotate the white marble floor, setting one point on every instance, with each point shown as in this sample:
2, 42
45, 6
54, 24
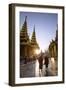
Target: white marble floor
50, 71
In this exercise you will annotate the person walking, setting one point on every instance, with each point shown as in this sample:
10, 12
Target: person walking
40, 60
46, 64
46, 61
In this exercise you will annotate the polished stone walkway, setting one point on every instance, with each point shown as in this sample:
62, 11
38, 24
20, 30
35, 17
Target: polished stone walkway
31, 69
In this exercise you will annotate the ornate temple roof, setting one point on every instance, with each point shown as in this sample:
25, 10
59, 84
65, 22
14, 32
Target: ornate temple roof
24, 38
23, 33
33, 39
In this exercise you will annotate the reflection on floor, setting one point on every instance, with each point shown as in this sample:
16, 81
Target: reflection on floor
50, 71
31, 69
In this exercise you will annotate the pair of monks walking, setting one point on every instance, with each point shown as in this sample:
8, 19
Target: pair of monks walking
41, 59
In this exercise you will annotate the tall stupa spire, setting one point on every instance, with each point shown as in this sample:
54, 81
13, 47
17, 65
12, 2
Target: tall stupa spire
24, 27
24, 32
33, 38
25, 18
56, 38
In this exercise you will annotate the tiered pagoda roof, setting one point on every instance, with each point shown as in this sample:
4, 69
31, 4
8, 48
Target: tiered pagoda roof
24, 38
33, 39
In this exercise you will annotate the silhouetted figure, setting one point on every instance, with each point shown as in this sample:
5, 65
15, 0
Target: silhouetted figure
40, 59
46, 64
46, 61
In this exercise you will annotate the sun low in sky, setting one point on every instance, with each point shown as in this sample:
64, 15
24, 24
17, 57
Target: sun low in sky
45, 26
